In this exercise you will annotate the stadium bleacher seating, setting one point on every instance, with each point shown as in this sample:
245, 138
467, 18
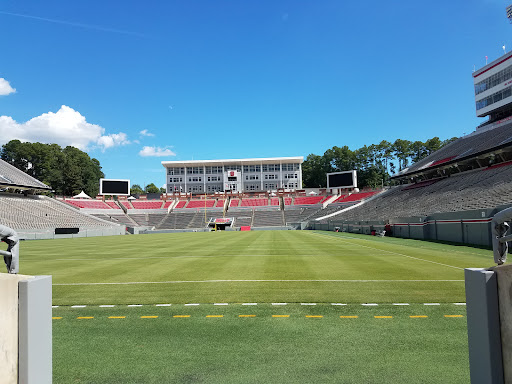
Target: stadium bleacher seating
180, 204
220, 203
126, 204
112, 204
200, 204
252, 202
358, 196
479, 189
41, 212
479, 141
268, 218
308, 200
274, 201
88, 204
156, 204
167, 204
234, 202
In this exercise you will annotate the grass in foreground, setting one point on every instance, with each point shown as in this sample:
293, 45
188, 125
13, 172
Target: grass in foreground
261, 349
260, 266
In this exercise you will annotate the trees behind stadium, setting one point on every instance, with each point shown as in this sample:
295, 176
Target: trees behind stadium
374, 163
67, 170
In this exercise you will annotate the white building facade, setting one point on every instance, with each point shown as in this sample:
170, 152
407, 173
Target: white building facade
235, 175
493, 88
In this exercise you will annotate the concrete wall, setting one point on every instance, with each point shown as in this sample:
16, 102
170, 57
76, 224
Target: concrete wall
465, 227
50, 234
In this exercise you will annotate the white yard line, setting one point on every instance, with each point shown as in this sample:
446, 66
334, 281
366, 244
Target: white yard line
257, 281
383, 250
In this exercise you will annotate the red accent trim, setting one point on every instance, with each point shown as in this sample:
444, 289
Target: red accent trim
495, 65
498, 165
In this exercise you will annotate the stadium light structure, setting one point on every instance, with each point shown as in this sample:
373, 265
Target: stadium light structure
11, 256
509, 13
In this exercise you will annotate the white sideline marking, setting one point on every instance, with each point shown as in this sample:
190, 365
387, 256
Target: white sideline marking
162, 305
370, 304
259, 281
55, 306
249, 303
279, 303
400, 303
220, 304
134, 305
383, 250
190, 304
107, 306
78, 306
307, 303
431, 304
459, 303
337, 304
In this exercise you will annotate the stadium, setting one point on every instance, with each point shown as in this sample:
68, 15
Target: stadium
239, 274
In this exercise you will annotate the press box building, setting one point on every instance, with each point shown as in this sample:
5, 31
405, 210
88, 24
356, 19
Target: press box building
236, 175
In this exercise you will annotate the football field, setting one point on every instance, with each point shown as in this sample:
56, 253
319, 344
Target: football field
260, 306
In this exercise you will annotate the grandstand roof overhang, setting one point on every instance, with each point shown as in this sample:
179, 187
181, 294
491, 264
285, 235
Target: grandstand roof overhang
475, 160
266, 160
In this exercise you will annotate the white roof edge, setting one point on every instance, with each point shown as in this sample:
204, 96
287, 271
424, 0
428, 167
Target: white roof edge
295, 159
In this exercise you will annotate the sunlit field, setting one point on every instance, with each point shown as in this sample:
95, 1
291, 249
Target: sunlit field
261, 306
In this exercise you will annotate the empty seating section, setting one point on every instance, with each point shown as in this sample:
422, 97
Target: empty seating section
88, 204
220, 203
234, 203
357, 197
251, 202
117, 218
126, 204
40, 212
242, 218
167, 203
274, 201
147, 204
466, 191
147, 219
177, 220
296, 215
112, 204
479, 141
287, 201
200, 204
308, 200
180, 204
268, 218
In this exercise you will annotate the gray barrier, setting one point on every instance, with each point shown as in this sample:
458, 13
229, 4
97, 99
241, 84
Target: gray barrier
466, 227
30, 234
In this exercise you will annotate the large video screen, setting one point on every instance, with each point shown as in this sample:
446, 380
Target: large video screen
114, 187
347, 179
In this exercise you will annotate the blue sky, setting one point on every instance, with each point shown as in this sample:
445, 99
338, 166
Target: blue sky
128, 81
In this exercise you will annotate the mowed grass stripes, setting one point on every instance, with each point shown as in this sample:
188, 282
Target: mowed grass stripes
328, 267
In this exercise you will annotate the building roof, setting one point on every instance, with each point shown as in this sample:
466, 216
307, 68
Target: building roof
266, 160
12, 177
481, 141
491, 65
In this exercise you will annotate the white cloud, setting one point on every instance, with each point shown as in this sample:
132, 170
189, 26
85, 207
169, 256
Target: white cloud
156, 152
145, 132
5, 87
64, 127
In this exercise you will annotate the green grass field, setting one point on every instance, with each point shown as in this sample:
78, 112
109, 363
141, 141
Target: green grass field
260, 343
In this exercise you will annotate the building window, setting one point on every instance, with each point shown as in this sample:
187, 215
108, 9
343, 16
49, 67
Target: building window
194, 170
175, 171
271, 177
